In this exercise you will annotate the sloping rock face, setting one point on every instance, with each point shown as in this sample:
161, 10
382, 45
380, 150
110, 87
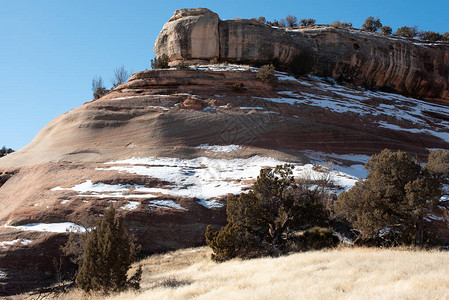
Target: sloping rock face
390, 63
168, 146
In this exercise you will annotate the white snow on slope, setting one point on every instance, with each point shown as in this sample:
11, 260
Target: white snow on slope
165, 204
10, 243
131, 205
395, 111
218, 148
50, 227
208, 179
223, 67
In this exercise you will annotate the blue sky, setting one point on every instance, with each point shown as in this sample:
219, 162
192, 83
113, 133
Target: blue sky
51, 50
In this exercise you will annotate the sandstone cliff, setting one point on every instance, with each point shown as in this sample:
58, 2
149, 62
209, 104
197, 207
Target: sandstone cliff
390, 63
168, 146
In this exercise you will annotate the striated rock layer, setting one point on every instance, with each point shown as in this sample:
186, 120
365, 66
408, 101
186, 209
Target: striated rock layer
168, 146
391, 63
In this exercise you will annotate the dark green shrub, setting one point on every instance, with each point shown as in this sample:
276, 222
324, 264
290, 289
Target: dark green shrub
307, 22
394, 200
160, 62
338, 24
386, 30
317, 238
372, 24
266, 73
261, 221
302, 63
407, 32
107, 256
4, 151
431, 36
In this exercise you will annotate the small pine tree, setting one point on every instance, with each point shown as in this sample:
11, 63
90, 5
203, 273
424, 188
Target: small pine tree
4, 151
372, 24
107, 256
407, 32
259, 222
386, 30
396, 197
431, 36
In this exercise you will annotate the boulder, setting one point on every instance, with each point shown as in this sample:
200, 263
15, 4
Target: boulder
190, 33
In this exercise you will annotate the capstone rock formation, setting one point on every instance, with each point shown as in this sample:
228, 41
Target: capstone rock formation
390, 63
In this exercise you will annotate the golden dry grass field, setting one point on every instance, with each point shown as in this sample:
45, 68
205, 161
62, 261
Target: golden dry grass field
344, 273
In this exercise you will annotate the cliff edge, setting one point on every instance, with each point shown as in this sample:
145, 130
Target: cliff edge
388, 63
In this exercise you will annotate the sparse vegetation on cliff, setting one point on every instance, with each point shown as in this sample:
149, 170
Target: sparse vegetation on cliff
407, 32
5, 151
266, 73
372, 24
120, 76
98, 88
307, 22
160, 62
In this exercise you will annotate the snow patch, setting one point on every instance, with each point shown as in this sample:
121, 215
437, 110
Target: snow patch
158, 107
217, 148
249, 107
50, 227
169, 204
131, 205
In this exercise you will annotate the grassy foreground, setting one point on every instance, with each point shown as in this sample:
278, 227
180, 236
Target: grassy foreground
345, 273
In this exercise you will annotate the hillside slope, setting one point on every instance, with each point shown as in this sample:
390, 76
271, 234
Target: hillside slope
169, 145
346, 273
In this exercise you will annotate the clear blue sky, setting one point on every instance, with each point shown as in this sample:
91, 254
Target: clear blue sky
51, 50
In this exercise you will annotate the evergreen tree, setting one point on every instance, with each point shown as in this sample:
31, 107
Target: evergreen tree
4, 151
394, 200
259, 221
372, 24
107, 256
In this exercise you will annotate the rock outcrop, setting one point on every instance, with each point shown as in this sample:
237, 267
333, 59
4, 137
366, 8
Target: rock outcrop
168, 146
390, 63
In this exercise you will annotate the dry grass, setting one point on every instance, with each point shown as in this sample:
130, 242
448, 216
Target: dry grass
338, 274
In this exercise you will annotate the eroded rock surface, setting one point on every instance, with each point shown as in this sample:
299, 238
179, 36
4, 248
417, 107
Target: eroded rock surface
390, 63
168, 146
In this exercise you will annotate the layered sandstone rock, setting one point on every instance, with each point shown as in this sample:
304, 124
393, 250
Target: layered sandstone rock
190, 34
391, 63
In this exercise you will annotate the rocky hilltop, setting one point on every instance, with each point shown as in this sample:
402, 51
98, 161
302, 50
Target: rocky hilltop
410, 67
168, 146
